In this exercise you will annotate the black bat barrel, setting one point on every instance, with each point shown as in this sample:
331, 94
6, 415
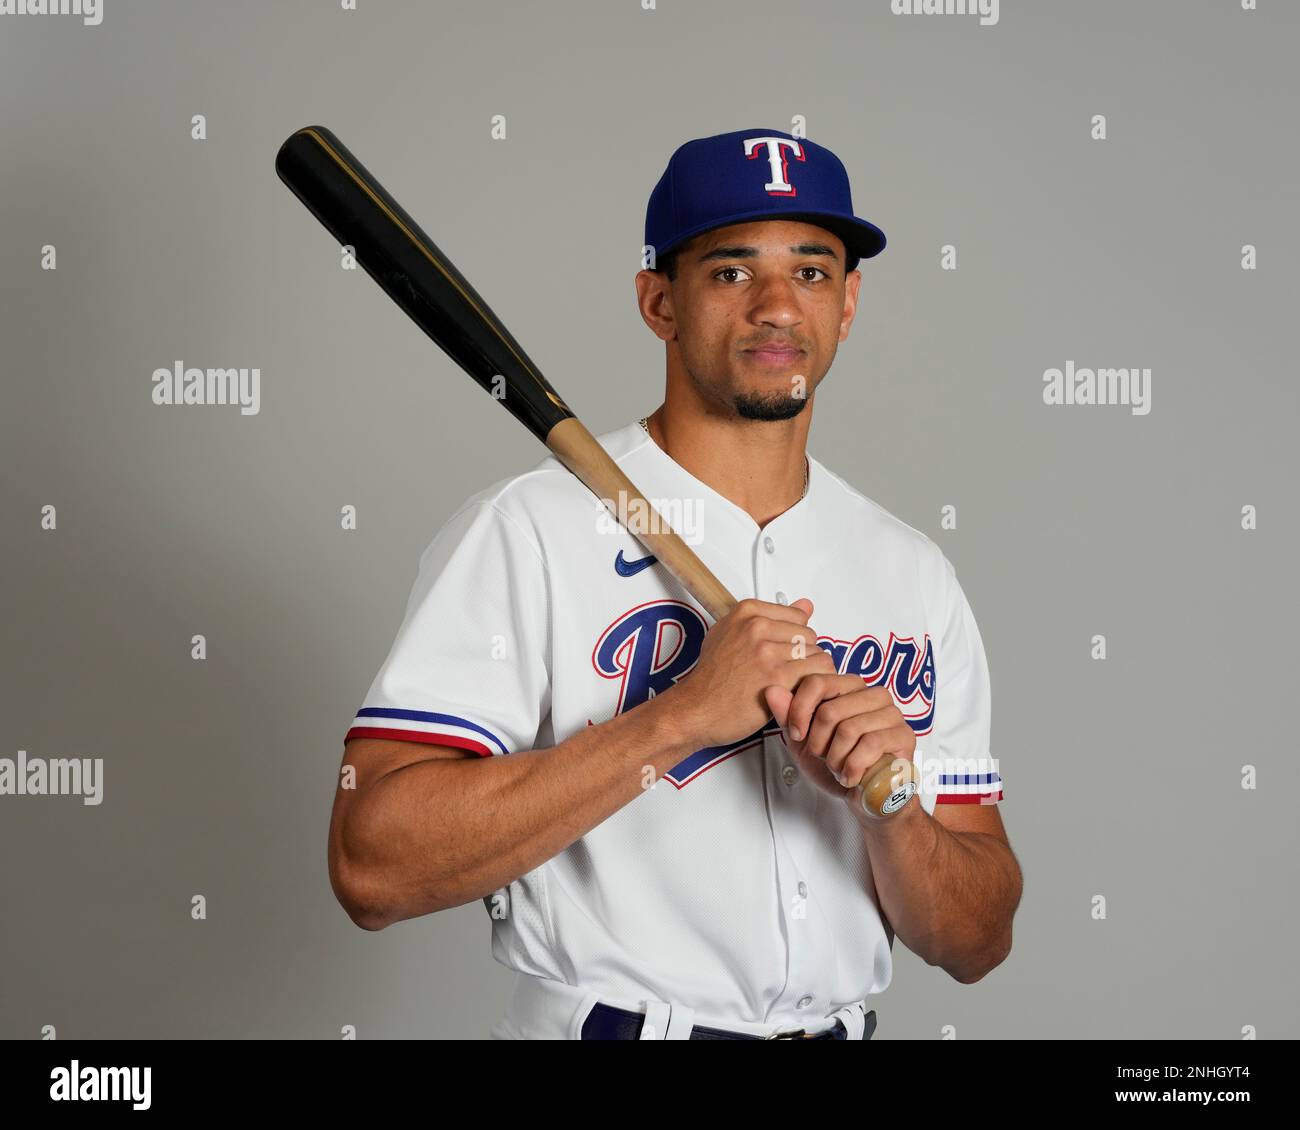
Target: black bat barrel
359, 213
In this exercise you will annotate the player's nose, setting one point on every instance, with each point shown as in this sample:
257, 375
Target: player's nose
774, 300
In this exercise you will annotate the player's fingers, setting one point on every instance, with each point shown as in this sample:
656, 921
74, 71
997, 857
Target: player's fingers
898, 742
778, 701
800, 642
781, 671
787, 630
830, 717
811, 693
846, 722
796, 613
879, 698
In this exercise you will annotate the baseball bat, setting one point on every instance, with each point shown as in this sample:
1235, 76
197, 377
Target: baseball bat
358, 211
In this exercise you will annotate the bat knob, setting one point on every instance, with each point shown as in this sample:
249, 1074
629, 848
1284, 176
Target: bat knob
887, 788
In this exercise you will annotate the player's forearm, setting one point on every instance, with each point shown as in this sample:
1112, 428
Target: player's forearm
442, 833
949, 896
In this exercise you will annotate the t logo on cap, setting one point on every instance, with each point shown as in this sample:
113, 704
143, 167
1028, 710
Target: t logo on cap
779, 185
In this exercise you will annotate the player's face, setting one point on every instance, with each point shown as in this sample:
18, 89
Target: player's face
759, 311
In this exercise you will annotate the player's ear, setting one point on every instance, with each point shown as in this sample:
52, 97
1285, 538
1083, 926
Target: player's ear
654, 301
852, 281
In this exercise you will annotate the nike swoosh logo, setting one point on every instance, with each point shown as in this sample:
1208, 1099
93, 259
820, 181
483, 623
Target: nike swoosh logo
626, 568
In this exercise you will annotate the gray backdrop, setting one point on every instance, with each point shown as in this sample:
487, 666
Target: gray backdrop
1124, 776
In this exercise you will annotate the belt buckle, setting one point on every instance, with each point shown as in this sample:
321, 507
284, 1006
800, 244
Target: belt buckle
791, 1034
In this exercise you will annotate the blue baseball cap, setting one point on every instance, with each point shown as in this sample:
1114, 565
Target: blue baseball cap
755, 174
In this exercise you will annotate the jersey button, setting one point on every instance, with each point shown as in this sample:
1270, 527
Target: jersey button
803, 889
769, 545
781, 598
789, 774
804, 1002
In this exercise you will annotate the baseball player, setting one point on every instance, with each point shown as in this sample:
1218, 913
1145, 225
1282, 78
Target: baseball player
659, 811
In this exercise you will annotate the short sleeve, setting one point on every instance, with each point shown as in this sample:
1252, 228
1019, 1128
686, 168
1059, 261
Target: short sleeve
470, 665
967, 772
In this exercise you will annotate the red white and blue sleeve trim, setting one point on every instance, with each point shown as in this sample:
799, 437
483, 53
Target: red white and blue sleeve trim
969, 788
425, 726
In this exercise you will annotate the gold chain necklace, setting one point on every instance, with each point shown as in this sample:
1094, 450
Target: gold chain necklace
643, 422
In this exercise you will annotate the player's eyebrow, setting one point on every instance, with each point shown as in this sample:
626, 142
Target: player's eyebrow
745, 252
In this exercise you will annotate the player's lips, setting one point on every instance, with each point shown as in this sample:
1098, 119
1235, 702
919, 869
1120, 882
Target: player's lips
775, 354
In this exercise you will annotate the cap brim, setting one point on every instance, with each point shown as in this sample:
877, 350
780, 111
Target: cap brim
861, 239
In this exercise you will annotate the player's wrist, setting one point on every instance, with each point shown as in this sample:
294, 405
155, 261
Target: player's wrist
678, 723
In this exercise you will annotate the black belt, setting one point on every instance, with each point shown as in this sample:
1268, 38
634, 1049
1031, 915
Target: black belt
606, 1022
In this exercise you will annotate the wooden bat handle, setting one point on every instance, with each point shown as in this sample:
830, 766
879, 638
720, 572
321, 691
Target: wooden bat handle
884, 789
579, 450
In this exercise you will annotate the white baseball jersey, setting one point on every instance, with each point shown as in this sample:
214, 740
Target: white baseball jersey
733, 885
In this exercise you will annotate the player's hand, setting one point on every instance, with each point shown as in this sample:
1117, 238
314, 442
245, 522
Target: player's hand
755, 646
843, 728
